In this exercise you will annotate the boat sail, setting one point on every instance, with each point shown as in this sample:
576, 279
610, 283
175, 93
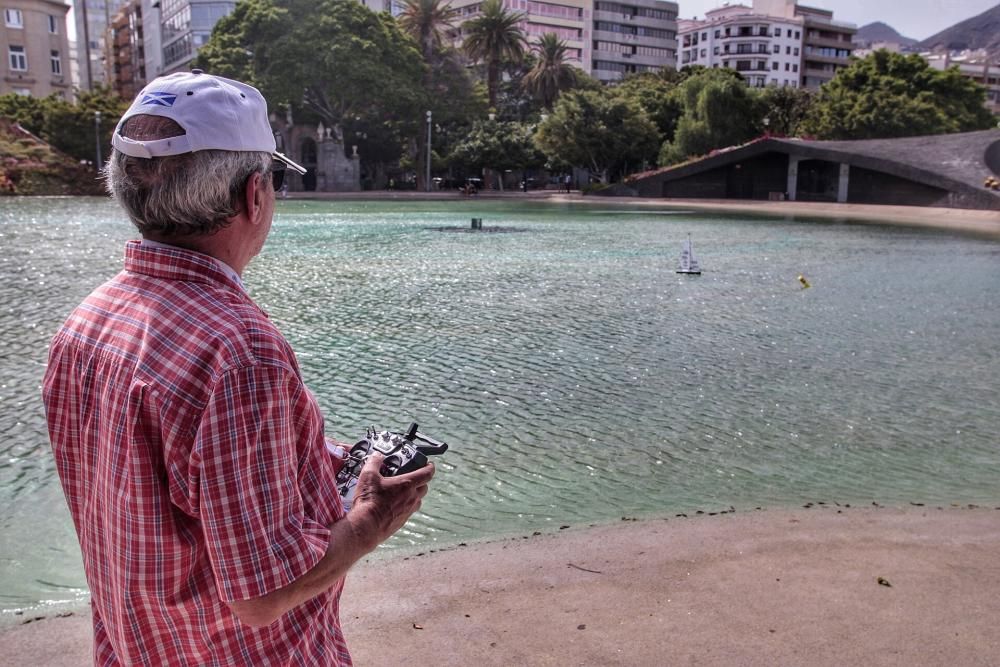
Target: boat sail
689, 264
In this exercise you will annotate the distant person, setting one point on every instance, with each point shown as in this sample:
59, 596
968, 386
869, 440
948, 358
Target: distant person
567, 181
392, 183
191, 454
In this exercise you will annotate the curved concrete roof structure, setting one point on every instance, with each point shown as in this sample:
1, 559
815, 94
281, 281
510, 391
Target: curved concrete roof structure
956, 163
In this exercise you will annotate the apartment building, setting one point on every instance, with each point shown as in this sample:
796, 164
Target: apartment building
607, 39
570, 20
633, 36
128, 50
765, 50
93, 19
33, 38
826, 44
973, 65
772, 42
185, 26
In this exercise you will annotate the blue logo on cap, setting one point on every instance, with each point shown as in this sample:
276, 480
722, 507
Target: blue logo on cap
158, 99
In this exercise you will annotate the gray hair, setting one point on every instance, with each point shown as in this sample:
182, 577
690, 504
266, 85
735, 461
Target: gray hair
194, 194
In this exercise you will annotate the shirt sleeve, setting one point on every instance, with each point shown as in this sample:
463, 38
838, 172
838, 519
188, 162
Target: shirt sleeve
252, 441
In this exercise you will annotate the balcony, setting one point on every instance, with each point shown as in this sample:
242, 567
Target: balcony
753, 34
817, 58
814, 73
827, 42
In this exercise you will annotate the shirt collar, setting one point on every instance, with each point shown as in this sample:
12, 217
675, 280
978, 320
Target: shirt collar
168, 261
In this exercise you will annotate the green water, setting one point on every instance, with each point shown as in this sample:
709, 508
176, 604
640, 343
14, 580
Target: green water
577, 377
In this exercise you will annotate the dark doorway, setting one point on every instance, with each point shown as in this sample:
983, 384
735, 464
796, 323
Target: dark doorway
818, 180
307, 152
739, 182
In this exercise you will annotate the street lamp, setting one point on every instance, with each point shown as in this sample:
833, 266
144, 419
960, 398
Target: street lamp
97, 135
427, 184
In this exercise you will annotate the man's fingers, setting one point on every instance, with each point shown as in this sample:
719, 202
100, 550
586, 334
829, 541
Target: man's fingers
419, 476
373, 464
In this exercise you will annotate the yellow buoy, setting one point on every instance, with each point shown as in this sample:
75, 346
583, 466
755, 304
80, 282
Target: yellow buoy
805, 283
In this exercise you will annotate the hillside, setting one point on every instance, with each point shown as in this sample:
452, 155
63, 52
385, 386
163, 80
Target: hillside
881, 32
978, 32
30, 166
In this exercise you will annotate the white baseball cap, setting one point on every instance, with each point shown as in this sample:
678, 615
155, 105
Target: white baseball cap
216, 114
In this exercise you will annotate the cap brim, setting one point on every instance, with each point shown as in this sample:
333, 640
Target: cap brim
294, 166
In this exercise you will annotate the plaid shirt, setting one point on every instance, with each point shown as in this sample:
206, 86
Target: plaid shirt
193, 461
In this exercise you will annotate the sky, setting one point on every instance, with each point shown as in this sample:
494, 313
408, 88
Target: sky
918, 19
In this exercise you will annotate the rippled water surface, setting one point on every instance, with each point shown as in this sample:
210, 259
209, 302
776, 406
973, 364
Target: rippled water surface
577, 377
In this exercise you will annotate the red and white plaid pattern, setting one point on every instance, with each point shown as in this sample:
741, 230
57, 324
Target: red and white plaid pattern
193, 461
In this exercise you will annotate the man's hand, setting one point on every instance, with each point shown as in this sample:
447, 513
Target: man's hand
382, 505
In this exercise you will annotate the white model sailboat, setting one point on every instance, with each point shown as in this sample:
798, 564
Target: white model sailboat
689, 264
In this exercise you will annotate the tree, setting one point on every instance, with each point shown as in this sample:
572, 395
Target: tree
604, 132
894, 95
551, 74
338, 61
492, 37
719, 111
498, 145
656, 94
70, 127
785, 109
426, 22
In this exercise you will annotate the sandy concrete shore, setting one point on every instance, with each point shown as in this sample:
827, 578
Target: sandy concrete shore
753, 588
979, 222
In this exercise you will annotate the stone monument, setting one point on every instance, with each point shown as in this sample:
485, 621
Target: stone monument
335, 171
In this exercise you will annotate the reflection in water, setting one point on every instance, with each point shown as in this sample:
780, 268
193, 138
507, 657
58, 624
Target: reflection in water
575, 375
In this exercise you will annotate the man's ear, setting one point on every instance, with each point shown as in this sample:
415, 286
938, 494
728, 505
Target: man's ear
253, 196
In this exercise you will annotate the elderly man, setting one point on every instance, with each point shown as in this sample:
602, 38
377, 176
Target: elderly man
192, 456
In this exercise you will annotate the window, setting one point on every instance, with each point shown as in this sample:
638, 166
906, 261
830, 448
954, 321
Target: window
774, 66
24, 92
795, 68
777, 32
53, 25
13, 18
55, 62
717, 34
788, 50
715, 51
18, 60
704, 36
704, 53
777, 49
787, 67
795, 51
797, 34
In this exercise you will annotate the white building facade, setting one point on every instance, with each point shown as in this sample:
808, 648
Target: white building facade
776, 42
765, 50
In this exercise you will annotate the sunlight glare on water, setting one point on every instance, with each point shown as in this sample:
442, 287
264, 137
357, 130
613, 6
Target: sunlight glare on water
575, 375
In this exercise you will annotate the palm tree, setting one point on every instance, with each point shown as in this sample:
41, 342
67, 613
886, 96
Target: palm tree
426, 22
494, 36
551, 74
